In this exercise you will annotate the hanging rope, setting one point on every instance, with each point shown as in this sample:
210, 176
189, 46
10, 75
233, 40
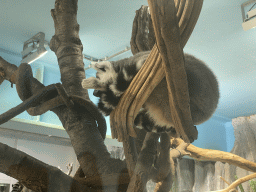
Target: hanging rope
172, 30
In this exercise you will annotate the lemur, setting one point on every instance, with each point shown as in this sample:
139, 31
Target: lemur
113, 78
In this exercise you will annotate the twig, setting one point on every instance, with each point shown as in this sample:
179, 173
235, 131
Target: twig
238, 182
224, 180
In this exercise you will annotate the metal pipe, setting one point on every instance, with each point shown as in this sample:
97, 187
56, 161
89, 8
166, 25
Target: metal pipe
105, 58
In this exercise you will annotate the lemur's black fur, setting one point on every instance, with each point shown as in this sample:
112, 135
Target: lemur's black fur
113, 78
142, 120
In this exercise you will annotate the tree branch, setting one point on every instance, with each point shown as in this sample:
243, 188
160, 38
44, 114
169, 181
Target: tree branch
215, 155
165, 169
35, 174
10, 70
238, 182
163, 163
165, 185
142, 38
86, 140
144, 163
81, 127
68, 47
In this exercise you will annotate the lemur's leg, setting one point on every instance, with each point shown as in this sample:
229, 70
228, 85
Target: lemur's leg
92, 83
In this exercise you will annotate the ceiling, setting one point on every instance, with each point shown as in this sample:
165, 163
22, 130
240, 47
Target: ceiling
105, 29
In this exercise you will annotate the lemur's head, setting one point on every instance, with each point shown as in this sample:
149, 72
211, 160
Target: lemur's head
114, 75
105, 72
113, 78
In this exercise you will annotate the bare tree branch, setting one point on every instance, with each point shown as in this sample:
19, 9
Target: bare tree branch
142, 38
35, 174
144, 164
215, 155
88, 144
163, 164
238, 182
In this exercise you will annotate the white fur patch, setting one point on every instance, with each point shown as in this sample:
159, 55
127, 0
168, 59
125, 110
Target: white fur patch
108, 76
139, 64
126, 76
115, 91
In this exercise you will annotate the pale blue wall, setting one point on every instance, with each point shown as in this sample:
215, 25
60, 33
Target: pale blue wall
212, 134
230, 137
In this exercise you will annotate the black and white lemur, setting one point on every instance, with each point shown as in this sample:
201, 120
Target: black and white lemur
113, 78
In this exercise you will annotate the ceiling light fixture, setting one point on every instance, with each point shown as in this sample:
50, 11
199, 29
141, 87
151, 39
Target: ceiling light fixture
249, 20
34, 48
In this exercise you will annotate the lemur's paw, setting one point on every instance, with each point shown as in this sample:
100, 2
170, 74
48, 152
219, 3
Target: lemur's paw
90, 83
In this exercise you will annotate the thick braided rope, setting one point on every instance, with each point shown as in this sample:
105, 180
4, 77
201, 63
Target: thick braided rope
152, 72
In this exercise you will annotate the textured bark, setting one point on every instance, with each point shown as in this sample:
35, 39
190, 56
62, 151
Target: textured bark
88, 144
215, 155
131, 154
116, 166
142, 31
35, 174
164, 164
144, 164
167, 32
81, 127
32, 101
141, 134
164, 22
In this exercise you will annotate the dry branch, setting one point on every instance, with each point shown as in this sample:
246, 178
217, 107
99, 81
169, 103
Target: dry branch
223, 179
35, 174
142, 38
215, 155
238, 182
10, 75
